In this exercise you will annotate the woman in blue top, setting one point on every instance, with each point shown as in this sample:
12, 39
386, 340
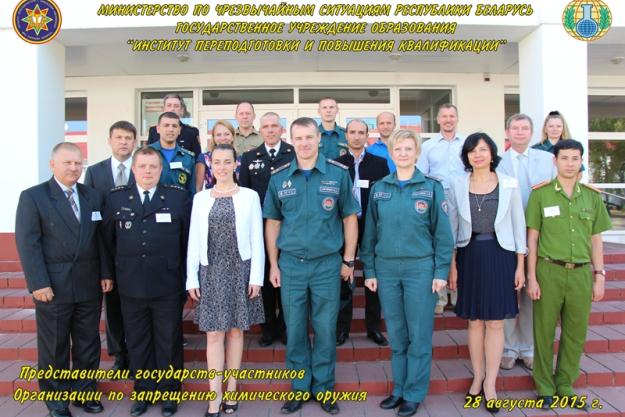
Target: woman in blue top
221, 134
406, 250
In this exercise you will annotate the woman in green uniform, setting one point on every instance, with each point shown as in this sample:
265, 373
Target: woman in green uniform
554, 129
406, 250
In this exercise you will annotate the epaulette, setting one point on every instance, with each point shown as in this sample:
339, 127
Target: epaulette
432, 177
590, 187
540, 185
187, 152
281, 168
338, 164
174, 187
120, 188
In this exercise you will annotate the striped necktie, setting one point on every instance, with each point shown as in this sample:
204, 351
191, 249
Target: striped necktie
72, 202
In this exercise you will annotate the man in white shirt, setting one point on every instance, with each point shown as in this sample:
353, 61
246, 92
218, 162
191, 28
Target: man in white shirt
104, 176
440, 158
530, 167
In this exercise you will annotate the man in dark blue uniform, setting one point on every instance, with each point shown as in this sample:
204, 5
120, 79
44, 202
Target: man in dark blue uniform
364, 169
189, 136
146, 227
256, 168
104, 176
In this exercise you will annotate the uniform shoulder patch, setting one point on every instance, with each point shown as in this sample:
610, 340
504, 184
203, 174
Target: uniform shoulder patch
590, 187
338, 164
540, 185
120, 188
433, 178
174, 187
281, 168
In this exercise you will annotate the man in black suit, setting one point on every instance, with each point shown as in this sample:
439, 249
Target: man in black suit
365, 169
66, 270
189, 137
146, 227
255, 173
104, 176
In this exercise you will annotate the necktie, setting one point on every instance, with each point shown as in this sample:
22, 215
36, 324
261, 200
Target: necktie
146, 199
524, 179
121, 178
272, 154
72, 202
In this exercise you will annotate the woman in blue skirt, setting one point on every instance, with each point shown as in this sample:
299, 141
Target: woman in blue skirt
488, 223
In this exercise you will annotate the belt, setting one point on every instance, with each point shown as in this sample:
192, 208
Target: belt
566, 265
483, 236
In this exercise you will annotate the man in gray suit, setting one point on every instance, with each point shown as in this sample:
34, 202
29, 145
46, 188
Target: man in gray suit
66, 270
103, 176
530, 167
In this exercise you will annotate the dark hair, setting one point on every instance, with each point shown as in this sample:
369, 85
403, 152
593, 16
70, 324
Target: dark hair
302, 122
357, 121
227, 147
568, 144
146, 150
169, 115
471, 142
123, 125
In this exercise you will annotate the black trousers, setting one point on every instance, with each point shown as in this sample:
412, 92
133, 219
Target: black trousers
274, 322
154, 338
115, 336
59, 326
372, 309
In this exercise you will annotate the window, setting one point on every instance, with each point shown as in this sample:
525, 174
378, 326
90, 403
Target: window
418, 108
76, 123
346, 95
254, 96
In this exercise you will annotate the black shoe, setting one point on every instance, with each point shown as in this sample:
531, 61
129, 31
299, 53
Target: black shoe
547, 401
265, 340
291, 406
169, 408
577, 405
330, 407
229, 408
470, 398
121, 363
378, 338
138, 408
391, 402
493, 409
207, 414
63, 412
91, 407
341, 338
283, 338
407, 408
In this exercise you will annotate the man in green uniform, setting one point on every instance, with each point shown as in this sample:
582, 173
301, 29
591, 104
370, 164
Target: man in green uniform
310, 211
333, 142
178, 163
565, 220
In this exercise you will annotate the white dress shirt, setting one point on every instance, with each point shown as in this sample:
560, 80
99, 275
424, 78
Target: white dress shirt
73, 188
127, 166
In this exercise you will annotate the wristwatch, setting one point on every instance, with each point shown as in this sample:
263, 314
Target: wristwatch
599, 271
349, 264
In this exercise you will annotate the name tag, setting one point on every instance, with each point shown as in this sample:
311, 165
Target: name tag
552, 211
362, 183
96, 216
509, 183
163, 217
175, 165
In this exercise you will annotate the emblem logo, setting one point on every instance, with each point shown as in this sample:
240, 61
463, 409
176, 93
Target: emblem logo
37, 21
421, 206
182, 178
328, 203
128, 225
587, 20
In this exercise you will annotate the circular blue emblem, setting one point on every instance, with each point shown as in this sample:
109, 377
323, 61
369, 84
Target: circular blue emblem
37, 21
587, 20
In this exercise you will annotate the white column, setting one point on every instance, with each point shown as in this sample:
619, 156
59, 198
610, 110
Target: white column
33, 112
553, 75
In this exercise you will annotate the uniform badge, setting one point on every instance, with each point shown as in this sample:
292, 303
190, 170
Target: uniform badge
342, 152
251, 167
288, 183
421, 206
444, 206
127, 225
284, 185
327, 203
182, 178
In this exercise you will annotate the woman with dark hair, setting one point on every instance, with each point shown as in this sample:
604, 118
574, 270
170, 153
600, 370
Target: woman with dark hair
225, 269
554, 130
487, 220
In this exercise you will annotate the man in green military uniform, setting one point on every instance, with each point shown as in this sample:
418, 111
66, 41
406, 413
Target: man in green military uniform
333, 142
310, 212
565, 220
178, 163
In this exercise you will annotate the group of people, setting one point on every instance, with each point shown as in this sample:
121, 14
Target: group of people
261, 231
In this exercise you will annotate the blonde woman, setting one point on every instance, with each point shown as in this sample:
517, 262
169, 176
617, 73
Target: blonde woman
554, 129
221, 134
